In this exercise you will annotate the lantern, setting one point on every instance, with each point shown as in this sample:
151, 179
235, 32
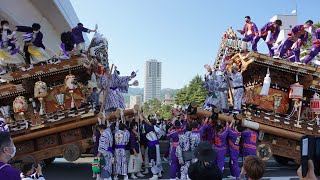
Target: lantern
100, 69
296, 91
266, 84
20, 105
315, 104
70, 83
41, 91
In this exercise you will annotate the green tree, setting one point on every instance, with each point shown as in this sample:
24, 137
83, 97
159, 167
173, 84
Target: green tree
152, 107
155, 106
166, 111
194, 92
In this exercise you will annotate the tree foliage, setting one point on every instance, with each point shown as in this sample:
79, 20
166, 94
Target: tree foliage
194, 92
155, 107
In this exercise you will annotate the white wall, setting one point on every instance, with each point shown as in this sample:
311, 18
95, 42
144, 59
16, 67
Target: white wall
288, 22
54, 16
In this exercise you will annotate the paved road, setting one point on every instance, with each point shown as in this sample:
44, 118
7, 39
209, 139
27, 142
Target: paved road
81, 170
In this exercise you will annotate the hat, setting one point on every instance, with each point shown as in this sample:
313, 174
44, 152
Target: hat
205, 152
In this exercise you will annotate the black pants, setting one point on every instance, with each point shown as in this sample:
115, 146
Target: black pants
27, 55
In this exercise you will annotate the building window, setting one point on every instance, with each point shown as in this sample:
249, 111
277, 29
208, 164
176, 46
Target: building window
290, 26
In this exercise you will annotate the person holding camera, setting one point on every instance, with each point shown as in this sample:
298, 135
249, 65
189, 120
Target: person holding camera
31, 172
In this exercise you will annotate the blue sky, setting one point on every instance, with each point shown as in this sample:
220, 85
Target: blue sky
182, 34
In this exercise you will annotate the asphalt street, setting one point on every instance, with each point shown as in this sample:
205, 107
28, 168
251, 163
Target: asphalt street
81, 170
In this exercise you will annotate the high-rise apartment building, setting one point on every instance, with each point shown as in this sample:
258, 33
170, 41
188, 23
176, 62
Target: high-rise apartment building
152, 80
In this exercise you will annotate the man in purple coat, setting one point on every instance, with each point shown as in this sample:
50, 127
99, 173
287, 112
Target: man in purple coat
315, 49
296, 38
220, 144
249, 30
249, 142
8, 151
173, 137
234, 140
78, 36
269, 33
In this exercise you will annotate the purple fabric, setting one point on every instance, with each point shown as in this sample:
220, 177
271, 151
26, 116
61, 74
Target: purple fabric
175, 170
255, 43
153, 143
248, 38
269, 27
220, 146
314, 51
117, 146
38, 40
134, 143
96, 143
77, 34
234, 152
295, 31
249, 139
175, 166
110, 149
9, 173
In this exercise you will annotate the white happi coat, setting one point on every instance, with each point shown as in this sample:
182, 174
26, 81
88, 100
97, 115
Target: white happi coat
105, 148
237, 81
121, 138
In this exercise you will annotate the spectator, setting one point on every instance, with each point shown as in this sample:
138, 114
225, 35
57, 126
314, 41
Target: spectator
29, 172
94, 97
253, 167
203, 168
7, 152
310, 174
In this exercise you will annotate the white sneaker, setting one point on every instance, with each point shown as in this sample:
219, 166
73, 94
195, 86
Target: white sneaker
159, 175
276, 57
30, 67
3, 71
23, 69
154, 177
146, 171
133, 176
139, 174
57, 62
126, 177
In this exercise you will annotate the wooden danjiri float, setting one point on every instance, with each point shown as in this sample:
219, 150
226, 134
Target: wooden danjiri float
283, 111
44, 107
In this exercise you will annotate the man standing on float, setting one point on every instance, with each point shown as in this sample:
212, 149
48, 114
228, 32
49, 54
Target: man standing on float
269, 33
249, 30
237, 84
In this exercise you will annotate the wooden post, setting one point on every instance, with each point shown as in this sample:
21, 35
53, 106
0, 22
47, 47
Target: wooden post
257, 126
